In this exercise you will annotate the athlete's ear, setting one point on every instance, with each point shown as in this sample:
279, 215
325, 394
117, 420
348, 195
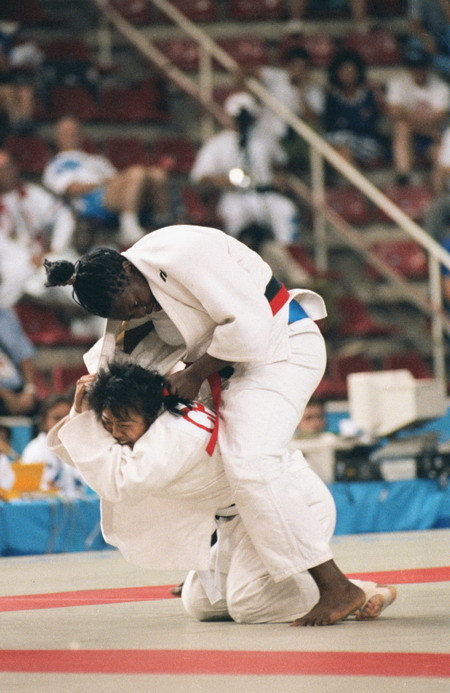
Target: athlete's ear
128, 268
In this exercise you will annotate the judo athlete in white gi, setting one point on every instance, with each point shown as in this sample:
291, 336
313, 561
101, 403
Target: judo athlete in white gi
215, 303
144, 452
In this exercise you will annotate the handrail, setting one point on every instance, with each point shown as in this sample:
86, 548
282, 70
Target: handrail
319, 147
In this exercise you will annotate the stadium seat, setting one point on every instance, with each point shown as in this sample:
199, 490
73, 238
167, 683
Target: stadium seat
334, 383
68, 49
135, 11
131, 104
320, 46
30, 151
44, 328
349, 203
246, 10
195, 10
174, 153
200, 209
356, 320
412, 199
413, 361
65, 376
126, 151
26, 12
302, 256
248, 51
377, 47
75, 100
184, 53
407, 257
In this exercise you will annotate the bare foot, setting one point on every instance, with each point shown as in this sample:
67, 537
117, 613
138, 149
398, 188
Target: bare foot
333, 606
382, 597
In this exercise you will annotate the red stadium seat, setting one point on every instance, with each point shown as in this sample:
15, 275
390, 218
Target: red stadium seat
184, 53
320, 46
68, 48
356, 320
349, 203
135, 11
199, 209
131, 104
65, 376
75, 101
31, 152
413, 361
407, 257
245, 10
176, 154
302, 256
249, 51
334, 384
412, 199
126, 151
43, 327
377, 47
195, 10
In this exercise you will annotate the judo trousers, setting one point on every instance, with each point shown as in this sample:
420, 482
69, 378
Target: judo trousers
260, 410
238, 585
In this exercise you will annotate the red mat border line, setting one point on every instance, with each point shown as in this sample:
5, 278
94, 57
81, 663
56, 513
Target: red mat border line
57, 600
283, 663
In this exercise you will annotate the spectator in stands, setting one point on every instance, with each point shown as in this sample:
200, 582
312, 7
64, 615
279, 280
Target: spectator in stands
33, 224
147, 459
19, 63
351, 113
292, 85
17, 372
429, 27
358, 9
246, 167
313, 420
418, 103
98, 191
56, 473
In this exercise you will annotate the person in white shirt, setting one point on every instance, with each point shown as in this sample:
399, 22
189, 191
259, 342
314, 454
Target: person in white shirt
418, 103
33, 223
246, 165
162, 496
56, 473
98, 191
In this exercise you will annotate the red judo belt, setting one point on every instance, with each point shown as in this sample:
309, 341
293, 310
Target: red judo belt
277, 296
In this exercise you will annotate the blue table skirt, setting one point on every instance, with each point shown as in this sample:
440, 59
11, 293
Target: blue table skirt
52, 525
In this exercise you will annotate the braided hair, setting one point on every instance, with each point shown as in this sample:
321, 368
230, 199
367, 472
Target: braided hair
97, 279
126, 387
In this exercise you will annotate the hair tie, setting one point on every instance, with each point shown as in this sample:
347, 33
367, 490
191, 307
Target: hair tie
165, 393
71, 280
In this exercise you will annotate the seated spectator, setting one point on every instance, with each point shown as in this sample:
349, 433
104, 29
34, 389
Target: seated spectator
351, 113
358, 9
418, 103
56, 473
292, 85
33, 224
98, 191
429, 28
17, 372
246, 167
18, 66
313, 420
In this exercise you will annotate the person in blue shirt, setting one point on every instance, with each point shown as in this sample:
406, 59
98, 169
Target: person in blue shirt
351, 112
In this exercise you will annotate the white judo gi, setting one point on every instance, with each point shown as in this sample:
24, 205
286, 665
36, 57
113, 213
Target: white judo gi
211, 290
158, 502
